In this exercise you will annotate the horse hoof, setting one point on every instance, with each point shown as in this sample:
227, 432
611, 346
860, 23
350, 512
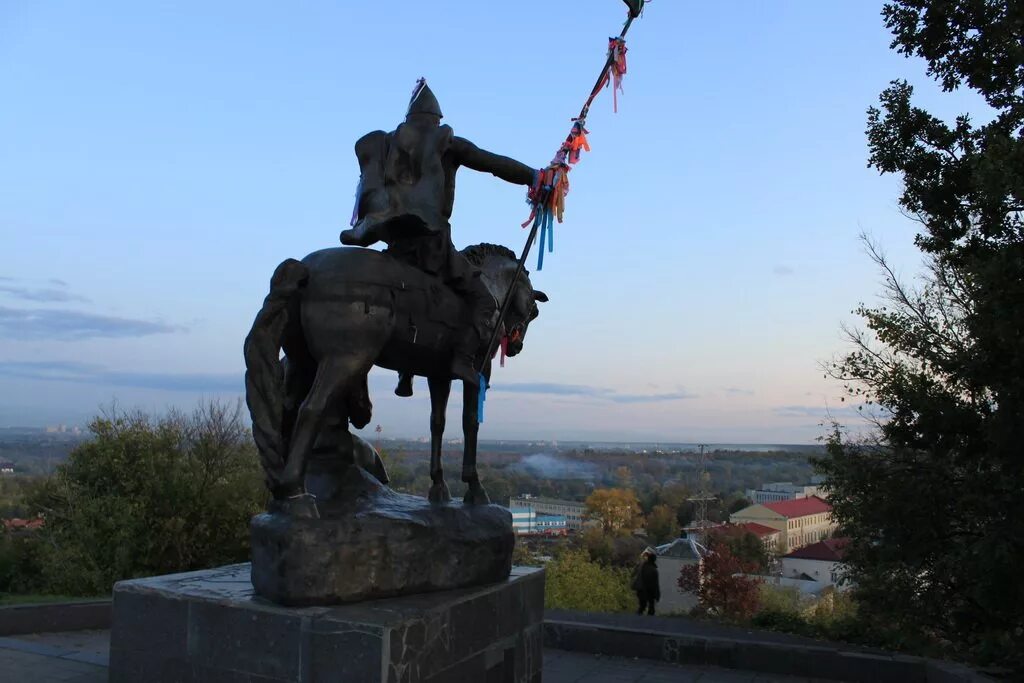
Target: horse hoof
439, 493
476, 496
300, 505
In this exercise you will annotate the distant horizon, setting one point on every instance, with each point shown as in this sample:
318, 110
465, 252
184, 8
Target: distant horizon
370, 436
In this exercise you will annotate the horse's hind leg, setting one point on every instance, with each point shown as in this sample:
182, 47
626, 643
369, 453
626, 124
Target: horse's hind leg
334, 376
358, 404
299, 372
440, 388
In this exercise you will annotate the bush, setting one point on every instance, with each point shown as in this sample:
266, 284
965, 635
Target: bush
146, 497
775, 619
573, 581
780, 599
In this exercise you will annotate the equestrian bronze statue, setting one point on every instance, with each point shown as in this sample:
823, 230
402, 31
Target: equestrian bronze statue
419, 307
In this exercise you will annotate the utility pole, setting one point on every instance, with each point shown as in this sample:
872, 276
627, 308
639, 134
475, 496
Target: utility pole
703, 491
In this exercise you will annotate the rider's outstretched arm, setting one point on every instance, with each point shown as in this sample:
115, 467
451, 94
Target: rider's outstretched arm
469, 155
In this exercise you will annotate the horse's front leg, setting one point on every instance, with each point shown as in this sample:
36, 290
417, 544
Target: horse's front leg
440, 388
475, 493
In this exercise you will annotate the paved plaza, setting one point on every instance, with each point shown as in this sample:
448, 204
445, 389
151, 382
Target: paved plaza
81, 657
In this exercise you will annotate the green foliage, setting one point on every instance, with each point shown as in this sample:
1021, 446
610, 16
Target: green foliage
744, 545
573, 581
780, 599
598, 545
14, 494
737, 502
522, 556
147, 497
661, 525
835, 616
932, 501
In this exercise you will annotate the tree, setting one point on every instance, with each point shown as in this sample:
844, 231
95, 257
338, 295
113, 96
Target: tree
717, 585
148, 497
617, 509
737, 502
572, 581
931, 499
522, 556
626, 550
624, 477
598, 545
675, 495
661, 524
742, 544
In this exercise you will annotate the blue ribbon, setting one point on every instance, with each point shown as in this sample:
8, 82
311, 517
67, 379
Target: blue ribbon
481, 397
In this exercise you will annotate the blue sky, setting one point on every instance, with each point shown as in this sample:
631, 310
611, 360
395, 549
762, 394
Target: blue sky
158, 160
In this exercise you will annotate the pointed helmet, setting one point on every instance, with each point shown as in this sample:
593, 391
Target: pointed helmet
423, 101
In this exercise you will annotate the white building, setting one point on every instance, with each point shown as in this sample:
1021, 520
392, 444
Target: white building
526, 522
820, 562
524, 519
672, 557
575, 512
782, 490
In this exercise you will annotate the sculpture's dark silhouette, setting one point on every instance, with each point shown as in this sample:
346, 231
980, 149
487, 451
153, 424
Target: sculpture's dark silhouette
337, 313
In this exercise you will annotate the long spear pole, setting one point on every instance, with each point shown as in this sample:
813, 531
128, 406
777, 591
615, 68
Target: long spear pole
521, 265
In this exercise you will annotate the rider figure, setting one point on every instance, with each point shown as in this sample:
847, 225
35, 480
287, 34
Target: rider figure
405, 199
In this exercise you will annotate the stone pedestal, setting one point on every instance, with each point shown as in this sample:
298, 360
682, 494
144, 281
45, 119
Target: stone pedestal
368, 541
210, 626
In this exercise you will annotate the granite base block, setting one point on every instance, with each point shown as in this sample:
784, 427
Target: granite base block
210, 626
397, 543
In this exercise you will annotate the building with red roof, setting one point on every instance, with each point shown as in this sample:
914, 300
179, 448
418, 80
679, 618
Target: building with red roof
821, 561
829, 550
14, 524
800, 522
799, 507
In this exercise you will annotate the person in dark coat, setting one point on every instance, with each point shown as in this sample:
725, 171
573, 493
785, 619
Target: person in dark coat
645, 582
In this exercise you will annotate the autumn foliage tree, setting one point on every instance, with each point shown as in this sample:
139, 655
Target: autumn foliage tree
718, 583
618, 510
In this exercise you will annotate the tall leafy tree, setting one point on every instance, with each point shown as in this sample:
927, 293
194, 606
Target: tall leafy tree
148, 496
661, 524
934, 500
617, 509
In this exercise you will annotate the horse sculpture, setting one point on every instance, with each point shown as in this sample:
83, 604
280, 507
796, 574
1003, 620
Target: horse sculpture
337, 313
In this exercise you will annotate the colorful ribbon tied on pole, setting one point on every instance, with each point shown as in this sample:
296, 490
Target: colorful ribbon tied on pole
546, 196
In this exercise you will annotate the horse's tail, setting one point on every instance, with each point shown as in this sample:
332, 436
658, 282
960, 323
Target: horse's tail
264, 372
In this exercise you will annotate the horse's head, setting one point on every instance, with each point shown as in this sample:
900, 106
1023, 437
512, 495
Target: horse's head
498, 266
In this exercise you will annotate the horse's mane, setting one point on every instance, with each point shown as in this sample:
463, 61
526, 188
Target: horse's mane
478, 253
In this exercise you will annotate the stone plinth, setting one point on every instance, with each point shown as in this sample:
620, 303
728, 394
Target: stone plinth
210, 626
369, 541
